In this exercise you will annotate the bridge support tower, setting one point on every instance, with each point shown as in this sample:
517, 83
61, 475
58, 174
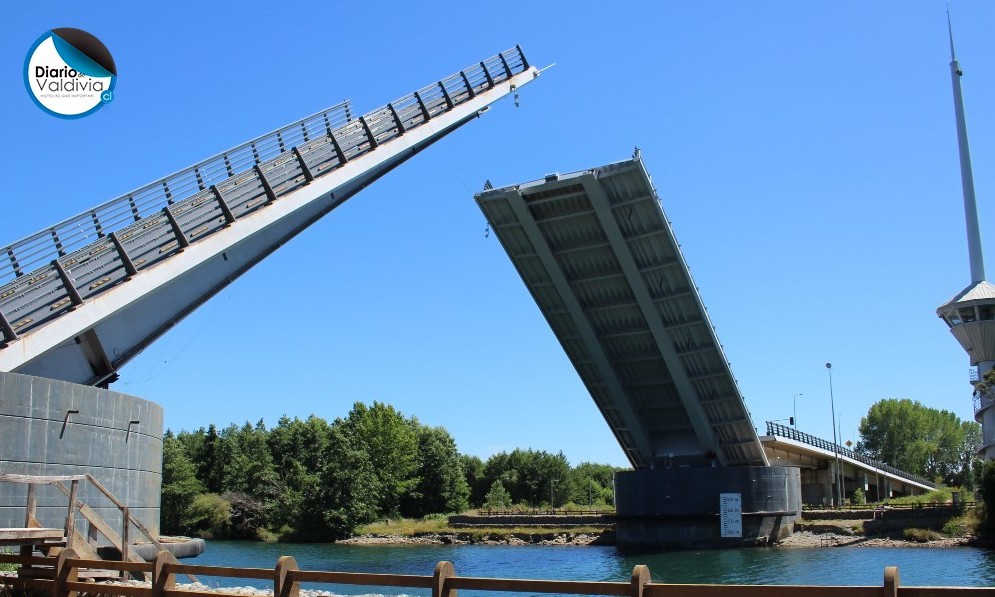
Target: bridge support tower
681, 507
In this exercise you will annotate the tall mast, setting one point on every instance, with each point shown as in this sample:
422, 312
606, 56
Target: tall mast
966, 175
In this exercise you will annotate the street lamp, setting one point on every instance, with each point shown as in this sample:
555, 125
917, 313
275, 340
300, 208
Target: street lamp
836, 447
794, 409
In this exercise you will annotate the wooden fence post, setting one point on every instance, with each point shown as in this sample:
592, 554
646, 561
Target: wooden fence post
640, 576
891, 581
71, 515
64, 572
162, 579
284, 584
443, 570
125, 539
29, 517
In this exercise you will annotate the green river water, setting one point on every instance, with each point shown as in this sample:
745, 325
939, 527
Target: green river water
830, 566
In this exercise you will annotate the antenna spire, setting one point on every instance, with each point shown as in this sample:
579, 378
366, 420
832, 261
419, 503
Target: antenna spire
950, 30
966, 174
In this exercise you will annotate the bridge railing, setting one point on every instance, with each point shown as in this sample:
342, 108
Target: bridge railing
67, 236
818, 442
53, 271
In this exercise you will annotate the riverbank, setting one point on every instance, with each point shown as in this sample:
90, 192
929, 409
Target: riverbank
810, 540
923, 530
799, 540
484, 538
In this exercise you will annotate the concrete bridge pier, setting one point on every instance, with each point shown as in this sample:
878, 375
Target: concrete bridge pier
50, 427
681, 507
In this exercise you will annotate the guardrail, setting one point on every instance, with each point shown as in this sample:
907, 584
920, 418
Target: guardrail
53, 271
805, 438
286, 578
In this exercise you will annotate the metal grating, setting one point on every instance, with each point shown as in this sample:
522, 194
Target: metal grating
599, 257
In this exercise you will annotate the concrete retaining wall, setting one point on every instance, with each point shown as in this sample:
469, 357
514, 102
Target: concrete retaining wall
40, 434
528, 520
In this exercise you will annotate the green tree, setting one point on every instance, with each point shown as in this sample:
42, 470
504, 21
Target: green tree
210, 461
441, 486
473, 468
531, 477
973, 437
391, 443
915, 438
248, 466
298, 450
179, 485
348, 489
593, 484
498, 497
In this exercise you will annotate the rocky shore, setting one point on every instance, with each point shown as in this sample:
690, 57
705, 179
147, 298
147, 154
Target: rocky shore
800, 539
808, 539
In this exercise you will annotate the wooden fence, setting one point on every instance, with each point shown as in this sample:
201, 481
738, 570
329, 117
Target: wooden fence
67, 569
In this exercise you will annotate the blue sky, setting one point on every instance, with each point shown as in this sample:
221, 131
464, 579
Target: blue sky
805, 152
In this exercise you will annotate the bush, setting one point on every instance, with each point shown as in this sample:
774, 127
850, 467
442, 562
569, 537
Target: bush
210, 516
859, 497
921, 535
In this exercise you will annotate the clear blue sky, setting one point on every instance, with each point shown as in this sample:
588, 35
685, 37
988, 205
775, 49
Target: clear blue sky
805, 152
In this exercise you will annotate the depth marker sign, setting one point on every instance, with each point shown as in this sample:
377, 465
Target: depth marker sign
731, 511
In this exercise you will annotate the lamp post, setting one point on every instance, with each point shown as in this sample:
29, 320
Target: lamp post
836, 447
794, 409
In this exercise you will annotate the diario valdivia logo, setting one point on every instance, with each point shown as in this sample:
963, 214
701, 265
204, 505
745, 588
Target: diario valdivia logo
69, 73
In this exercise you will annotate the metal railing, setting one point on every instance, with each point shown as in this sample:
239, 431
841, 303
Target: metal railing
51, 272
791, 433
982, 401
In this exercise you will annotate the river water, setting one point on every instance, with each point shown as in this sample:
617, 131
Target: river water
962, 566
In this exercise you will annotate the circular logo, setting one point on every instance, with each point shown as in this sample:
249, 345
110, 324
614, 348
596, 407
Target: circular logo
69, 73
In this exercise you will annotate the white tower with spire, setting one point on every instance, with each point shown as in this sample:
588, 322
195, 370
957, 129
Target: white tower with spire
971, 314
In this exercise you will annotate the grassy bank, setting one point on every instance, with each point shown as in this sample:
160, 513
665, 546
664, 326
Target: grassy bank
418, 528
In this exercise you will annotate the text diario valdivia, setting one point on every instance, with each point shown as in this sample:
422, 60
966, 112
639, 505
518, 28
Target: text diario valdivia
65, 78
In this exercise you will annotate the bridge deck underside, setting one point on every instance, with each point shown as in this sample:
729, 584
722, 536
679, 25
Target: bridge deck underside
598, 255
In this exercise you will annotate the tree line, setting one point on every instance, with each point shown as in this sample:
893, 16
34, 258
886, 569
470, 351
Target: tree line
311, 480
915, 438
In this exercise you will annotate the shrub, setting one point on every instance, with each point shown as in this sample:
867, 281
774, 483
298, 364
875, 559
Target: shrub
921, 535
962, 525
210, 516
859, 497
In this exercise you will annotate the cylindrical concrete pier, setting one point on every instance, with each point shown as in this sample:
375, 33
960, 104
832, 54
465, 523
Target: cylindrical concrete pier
680, 507
50, 427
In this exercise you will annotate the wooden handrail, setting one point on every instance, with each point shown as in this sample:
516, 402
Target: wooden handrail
121, 506
444, 582
39, 479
